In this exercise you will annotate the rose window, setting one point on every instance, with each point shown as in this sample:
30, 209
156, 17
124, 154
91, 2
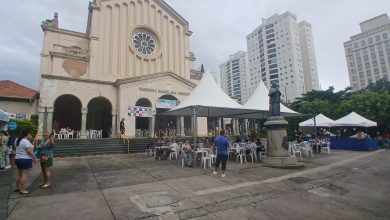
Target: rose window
144, 43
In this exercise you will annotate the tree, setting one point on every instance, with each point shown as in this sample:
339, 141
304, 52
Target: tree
23, 124
372, 103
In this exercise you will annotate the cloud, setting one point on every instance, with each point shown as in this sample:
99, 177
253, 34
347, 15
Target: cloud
219, 26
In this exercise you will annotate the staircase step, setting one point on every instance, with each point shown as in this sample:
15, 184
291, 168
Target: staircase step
83, 147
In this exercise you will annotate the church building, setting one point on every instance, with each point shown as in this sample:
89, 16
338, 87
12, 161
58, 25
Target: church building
132, 62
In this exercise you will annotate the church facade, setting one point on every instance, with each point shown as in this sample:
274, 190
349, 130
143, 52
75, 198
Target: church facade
132, 62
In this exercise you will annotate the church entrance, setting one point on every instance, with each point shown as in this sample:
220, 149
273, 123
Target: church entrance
99, 116
142, 123
166, 124
67, 113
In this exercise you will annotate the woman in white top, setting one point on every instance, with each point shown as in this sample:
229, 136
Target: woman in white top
24, 160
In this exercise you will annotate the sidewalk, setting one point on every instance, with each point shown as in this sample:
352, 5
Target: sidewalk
138, 187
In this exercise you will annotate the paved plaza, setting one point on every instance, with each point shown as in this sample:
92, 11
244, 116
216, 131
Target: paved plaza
342, 185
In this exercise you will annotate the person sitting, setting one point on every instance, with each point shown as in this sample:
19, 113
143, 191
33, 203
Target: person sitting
238, 139
259, 146
207, 143
173, 147
360, 135
186, 152
317, 146
249, 146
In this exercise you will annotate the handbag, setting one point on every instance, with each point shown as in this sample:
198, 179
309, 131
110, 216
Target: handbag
37, 153
44, 158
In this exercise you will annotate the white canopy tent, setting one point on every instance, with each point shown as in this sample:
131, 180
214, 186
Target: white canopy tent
208, 100
259, 101
320, 121
4, 119
353, 119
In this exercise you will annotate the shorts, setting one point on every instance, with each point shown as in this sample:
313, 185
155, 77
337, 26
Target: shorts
24, 164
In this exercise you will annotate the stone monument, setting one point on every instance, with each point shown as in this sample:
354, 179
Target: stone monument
277, 155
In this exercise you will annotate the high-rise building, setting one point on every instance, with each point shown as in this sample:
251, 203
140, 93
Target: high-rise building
281, 51
368, 53
309, 63
216, 76
234, 76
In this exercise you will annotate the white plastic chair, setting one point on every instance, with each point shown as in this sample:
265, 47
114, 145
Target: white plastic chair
92, 133
213, 156
308, 150
295, 150
70, 134
99, 134
174, 153
56, 134
327, 147
240, 155
206, 159
63, 134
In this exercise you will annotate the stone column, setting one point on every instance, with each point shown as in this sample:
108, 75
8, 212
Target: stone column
238, 127
178, 125
233, 121
113, 125
84, 112
151, 126
219, 126
49, 119
182, 130
41, 119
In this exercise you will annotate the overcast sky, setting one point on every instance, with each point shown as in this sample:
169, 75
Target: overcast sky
219, 26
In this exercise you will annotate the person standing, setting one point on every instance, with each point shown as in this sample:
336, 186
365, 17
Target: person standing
12, 147
3, 150
122, 126
8, 150
46, 158
24, 160
222, 144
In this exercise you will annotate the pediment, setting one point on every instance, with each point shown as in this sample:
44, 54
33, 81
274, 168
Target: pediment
167, 76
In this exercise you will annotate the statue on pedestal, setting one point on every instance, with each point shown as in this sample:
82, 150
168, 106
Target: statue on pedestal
274, 100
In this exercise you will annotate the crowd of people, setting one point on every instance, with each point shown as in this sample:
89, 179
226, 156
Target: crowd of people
21, 153
218, 146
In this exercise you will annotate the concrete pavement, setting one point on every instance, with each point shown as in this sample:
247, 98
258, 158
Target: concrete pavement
342, 185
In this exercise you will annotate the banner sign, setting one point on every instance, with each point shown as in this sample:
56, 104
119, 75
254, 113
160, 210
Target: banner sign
140, 111
166, 103
18, 115
13, 115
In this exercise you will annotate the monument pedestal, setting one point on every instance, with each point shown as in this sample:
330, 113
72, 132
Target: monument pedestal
277, 143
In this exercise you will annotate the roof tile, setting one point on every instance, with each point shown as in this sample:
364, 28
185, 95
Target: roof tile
15, 90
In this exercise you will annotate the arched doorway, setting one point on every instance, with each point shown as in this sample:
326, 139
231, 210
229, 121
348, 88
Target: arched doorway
99, 115
142, 123
67, 113
166, 124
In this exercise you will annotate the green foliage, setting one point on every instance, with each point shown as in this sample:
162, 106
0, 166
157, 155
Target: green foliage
24, 124
372, 103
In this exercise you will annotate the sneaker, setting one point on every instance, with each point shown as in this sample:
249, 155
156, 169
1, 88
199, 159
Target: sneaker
23, 192
215, 172
8, 166
223, 175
